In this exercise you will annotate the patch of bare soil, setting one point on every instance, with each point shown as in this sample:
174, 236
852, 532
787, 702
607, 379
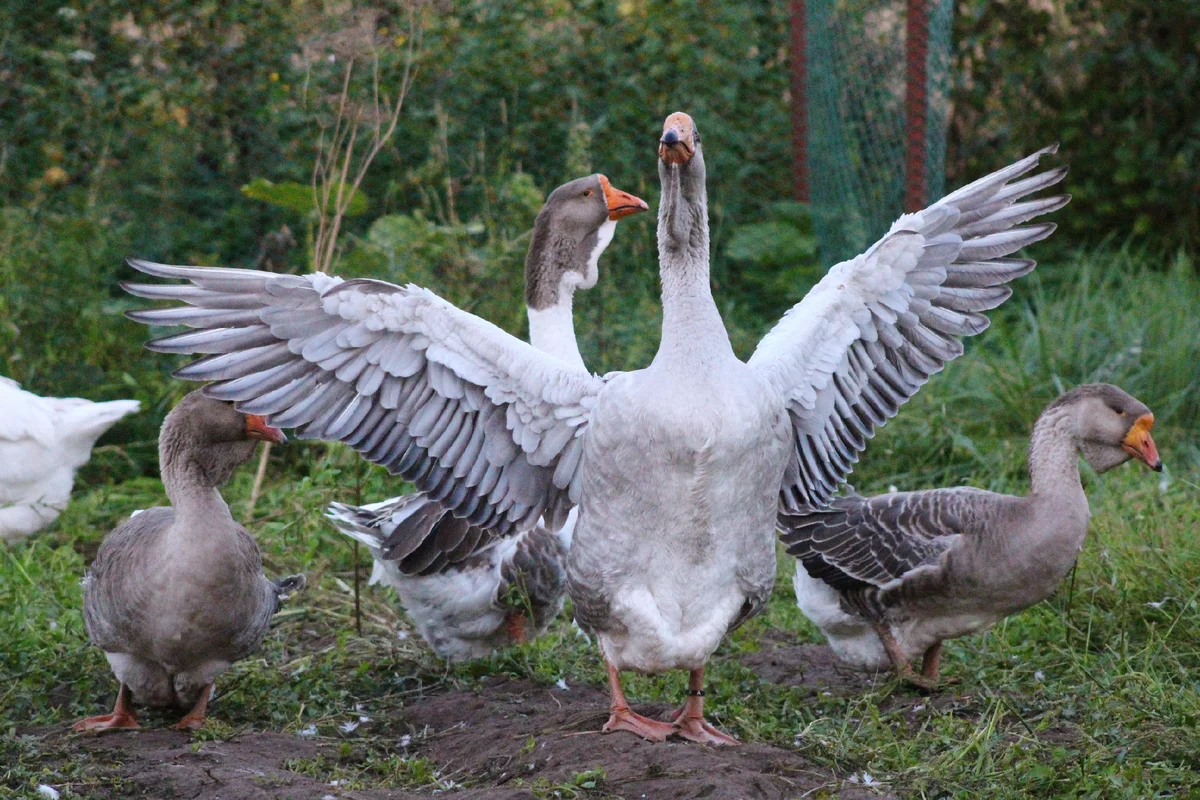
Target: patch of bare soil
809, 666
504, 740
165, 764
514, 730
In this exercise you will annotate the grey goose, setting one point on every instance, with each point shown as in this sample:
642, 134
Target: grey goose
888, 578
680, 469
466, 592
177, 594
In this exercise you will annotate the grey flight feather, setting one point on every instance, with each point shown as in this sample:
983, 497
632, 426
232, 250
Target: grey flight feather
877, 327
858, 542
474, 417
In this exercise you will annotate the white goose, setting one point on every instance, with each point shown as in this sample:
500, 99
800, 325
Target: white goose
43, 440
484, 594
680, 469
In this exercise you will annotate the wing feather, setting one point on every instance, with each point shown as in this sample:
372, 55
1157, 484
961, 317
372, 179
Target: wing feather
873, 331
485, 424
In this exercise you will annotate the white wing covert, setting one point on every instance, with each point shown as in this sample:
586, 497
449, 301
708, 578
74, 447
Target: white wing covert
870, 334
479, 420
24, 416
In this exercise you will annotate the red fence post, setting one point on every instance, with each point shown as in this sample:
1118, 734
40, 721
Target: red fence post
915, 84
799, 95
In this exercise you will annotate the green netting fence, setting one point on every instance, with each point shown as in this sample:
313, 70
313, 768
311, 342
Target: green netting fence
858, 66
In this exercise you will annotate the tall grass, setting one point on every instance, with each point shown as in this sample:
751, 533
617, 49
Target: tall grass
1104, 315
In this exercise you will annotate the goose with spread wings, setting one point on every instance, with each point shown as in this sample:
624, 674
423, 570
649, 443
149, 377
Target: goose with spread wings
679, 469
469, 600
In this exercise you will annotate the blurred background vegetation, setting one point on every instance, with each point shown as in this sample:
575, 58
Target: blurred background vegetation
187, 132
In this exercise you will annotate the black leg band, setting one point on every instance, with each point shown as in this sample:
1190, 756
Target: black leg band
695, 693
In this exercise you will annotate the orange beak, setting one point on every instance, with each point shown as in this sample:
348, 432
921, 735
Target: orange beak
1139, 444
257, 428
678, 142
621, 204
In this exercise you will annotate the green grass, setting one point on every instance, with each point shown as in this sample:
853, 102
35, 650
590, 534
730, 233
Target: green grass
1095, 693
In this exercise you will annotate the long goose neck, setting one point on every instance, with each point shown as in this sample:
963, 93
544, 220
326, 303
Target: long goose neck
1054, 458
552, 330
692, 328
190, 489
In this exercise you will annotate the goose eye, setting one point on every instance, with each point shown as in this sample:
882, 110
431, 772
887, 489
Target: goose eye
587, 193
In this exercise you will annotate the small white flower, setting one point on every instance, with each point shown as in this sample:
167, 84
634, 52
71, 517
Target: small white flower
562, 684
892, 488
311, 730
48, 792
53, 624
334, 783
86, 56
402, 635
405, 740
348, 727
1039, 676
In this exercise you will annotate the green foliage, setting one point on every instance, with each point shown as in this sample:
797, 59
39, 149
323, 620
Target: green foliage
298, 197
1117, 83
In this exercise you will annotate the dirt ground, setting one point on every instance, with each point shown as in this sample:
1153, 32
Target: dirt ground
505, 739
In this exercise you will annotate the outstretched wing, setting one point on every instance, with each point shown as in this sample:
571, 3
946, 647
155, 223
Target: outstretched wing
856, 542
869, 335
479, 420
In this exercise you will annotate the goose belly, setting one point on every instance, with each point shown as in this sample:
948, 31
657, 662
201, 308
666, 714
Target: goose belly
855, 642
851, 637
677, 519
202, 615
456, 611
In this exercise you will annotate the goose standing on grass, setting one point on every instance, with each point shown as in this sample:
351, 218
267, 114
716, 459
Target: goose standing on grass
679, 469
43, 440
888, 578
177, 594
467, 593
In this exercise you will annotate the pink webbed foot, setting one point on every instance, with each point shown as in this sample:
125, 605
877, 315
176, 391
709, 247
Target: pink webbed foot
107, 722
697, 729
625, 719
122, 717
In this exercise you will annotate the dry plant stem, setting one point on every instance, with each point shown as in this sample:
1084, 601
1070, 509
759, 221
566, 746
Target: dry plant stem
259, 475
336, 160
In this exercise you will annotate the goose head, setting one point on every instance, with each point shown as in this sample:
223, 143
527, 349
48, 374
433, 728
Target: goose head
204, 440
1110, 426
683, 209
569, 235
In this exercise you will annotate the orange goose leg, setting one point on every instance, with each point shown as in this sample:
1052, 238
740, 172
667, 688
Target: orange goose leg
121, 718
623, 717
689, 720
901, 666
932, 661
514, 625
195, 718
